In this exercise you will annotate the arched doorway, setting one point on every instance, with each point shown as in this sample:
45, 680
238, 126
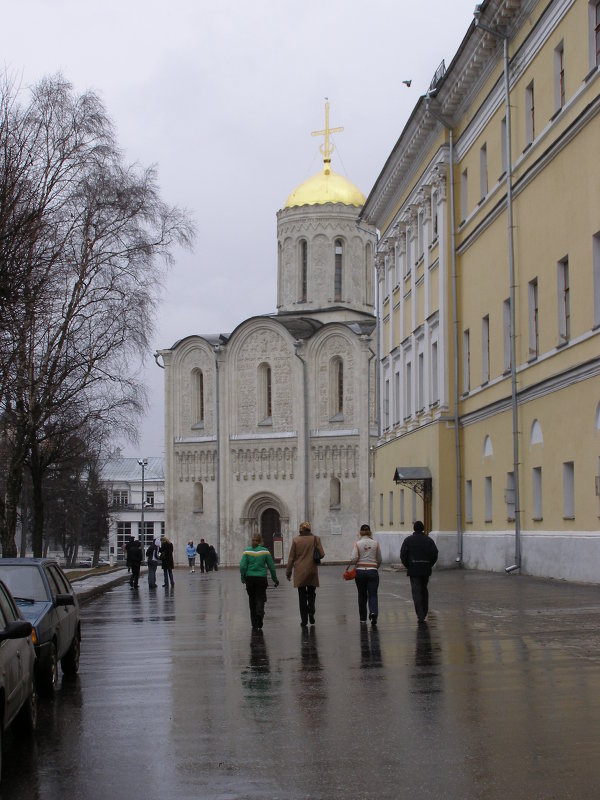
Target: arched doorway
270, 525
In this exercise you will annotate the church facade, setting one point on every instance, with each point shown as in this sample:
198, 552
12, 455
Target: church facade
273, 423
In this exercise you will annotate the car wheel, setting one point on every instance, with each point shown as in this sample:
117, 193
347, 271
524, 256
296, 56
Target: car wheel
48, 679
70, 660
26, 720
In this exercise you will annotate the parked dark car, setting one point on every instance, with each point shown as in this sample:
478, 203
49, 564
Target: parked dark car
47, 600
18, 699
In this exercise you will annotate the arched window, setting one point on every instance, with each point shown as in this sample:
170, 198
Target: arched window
335, 494
337, 281
303, 294
197, 398
336, 389
265, 408
198, 497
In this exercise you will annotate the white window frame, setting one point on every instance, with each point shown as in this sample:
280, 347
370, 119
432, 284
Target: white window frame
485, 349
564, 302
483, 170
530, 113
408, 390
435, 378
464, 185
397, 398
559, 76
466, 365
534, 315
488, 489
568, 490
536, 491
506, 325
596, 275
594, 33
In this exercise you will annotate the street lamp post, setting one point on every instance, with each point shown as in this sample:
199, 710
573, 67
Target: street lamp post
143, 462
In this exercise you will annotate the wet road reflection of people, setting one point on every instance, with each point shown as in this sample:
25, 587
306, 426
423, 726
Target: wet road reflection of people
426, 674
256, 678
312, 690
370, 648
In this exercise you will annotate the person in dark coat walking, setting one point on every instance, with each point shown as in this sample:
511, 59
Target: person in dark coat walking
212, 559
418, 554
136, 556
202, 550
166, 560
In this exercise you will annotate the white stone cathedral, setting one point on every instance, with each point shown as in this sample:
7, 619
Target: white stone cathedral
274, 423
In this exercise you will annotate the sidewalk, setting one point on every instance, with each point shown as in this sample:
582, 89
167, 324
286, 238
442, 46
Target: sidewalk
89, 586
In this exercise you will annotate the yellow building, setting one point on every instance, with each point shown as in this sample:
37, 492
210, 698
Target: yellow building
488, 269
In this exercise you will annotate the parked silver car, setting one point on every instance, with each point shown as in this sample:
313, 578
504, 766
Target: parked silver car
18, 699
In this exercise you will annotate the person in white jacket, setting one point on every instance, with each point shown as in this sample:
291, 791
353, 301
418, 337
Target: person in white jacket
366, 554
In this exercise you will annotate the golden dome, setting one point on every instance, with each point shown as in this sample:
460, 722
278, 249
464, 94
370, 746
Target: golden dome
325, 187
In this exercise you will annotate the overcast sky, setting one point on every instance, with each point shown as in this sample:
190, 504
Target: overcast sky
222, 96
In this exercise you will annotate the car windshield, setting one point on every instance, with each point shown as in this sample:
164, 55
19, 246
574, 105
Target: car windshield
24, 581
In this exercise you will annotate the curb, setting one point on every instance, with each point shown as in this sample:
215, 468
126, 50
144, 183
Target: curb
84, 595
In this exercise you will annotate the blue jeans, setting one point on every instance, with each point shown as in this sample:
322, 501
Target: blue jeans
152, 565
367, 583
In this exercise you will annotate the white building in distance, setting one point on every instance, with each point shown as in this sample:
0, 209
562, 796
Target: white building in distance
122, 478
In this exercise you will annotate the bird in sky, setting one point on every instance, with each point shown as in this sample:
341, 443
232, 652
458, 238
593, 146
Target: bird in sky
407, 83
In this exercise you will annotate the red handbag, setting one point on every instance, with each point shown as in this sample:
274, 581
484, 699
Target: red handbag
349, 573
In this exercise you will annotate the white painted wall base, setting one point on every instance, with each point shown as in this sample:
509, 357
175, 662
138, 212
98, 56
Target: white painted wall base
564, 555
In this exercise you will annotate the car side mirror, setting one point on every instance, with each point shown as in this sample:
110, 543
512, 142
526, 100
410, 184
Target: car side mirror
64, 600
18, 629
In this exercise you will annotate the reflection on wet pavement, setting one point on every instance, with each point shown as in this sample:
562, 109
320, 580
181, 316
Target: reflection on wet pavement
496, 697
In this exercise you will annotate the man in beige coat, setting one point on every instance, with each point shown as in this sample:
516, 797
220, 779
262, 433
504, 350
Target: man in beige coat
306, 571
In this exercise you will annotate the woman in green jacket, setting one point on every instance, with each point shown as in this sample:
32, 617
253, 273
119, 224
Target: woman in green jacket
253, 570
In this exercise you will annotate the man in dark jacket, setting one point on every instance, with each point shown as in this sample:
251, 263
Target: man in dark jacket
136, 556
418, 554
202, 550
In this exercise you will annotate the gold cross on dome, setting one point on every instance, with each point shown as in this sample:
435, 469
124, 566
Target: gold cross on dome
327, 148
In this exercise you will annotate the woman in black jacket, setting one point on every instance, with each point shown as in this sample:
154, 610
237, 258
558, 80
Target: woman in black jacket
166, 557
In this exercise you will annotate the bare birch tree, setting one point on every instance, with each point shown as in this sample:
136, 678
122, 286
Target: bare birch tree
84, 242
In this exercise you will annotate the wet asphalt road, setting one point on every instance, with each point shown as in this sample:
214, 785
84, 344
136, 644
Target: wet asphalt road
498, 697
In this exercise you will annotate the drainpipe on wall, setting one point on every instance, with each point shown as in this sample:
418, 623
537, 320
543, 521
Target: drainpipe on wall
371, 357
217, 349
457, 459
297, 345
